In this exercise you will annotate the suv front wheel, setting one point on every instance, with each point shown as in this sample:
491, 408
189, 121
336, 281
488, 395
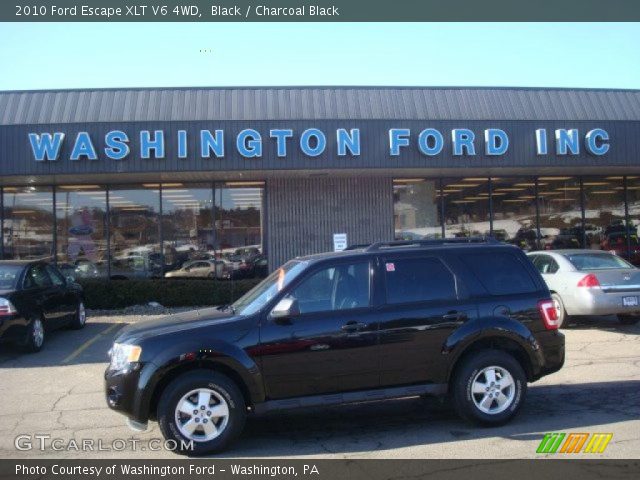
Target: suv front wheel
489, 387
204, 409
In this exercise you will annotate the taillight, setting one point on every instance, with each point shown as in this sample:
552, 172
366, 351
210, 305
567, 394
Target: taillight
6, 307
589, 281
549, 314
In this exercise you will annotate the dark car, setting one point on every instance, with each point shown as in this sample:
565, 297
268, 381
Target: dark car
617, 242
467, 317
34, 299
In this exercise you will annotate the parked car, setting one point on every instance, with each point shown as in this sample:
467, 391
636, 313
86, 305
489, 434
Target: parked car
590, 282
200, 269
34, 299
469, 317
616, 243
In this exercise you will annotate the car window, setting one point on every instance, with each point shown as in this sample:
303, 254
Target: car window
55, 276
37, 277
340, 287
545, 264
9, 276
418, 280
596, 261
501, 273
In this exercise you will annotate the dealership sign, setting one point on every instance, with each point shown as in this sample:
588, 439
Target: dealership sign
312, 142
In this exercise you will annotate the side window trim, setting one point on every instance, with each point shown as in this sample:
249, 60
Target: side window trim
391, 257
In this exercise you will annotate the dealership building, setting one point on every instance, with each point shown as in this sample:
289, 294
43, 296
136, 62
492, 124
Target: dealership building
126, 180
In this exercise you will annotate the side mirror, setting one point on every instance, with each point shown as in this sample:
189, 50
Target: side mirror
285, 309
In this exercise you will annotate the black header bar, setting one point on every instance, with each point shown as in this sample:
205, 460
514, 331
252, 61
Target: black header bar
320, 11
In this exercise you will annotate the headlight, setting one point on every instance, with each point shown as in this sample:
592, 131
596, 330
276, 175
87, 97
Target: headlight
123, 355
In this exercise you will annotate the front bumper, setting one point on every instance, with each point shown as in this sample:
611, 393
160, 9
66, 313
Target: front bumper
122, 392
596, 301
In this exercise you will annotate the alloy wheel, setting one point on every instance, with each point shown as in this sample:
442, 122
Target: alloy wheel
82, 314
38, 332
202, 415
493, 390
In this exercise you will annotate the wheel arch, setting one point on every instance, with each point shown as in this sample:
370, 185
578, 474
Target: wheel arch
178, 370
501, 343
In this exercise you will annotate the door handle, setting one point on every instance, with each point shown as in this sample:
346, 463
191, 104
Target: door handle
455, 316
353, 326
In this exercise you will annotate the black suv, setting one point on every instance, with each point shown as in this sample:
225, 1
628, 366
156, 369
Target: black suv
471, 318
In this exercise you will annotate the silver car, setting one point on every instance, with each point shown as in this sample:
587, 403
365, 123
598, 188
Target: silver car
199, 269
590, 282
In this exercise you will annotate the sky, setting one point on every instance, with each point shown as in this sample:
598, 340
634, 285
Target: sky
74, 55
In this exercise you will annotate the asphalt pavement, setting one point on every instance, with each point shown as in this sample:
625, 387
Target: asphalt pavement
55, 399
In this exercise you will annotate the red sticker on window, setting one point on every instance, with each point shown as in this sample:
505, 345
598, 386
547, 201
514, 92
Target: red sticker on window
391, 267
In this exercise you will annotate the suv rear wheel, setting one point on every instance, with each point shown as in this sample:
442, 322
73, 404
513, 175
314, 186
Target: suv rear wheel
489, 387
204, 407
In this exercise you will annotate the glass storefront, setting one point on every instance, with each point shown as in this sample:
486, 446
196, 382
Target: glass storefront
134, 231
560, 211
514, 211
546, 212
149, 230
81, 242
466, 206
238, 228
187, 224
416, 209
28, 223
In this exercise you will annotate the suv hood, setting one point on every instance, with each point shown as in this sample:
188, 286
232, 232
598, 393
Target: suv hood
176, 323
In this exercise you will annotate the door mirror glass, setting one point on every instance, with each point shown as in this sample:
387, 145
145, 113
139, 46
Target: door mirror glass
285, 308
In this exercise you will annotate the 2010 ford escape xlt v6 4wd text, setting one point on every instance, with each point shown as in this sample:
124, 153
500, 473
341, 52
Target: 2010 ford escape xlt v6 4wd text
470, 318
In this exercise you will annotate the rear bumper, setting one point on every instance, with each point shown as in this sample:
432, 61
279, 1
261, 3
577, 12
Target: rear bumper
595, 301
552, 347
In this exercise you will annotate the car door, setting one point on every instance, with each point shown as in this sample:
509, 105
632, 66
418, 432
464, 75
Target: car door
43, 294
425, 301
331, 345
200, 269
68, 301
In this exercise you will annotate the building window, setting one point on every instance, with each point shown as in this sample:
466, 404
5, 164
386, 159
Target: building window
416, 207
238, 228
187, 223
633, 206
514, 211
134, 231
466, 206
81, 215
28, 223
560, 207
604, 213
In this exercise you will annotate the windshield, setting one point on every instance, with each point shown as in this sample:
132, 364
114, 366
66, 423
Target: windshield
261, 294
9, 275
597, 261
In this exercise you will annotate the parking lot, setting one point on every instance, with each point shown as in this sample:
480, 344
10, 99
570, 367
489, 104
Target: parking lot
59, 392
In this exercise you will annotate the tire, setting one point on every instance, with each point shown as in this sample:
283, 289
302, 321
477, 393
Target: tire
35, 335
222, 392
628, 319
80, 317
472, 374
562, 313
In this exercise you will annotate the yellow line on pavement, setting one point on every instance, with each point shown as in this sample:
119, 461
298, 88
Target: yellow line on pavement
89, 342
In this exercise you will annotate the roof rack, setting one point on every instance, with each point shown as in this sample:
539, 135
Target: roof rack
425, 243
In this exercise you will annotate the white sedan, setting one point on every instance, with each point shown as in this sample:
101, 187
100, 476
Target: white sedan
590, 282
